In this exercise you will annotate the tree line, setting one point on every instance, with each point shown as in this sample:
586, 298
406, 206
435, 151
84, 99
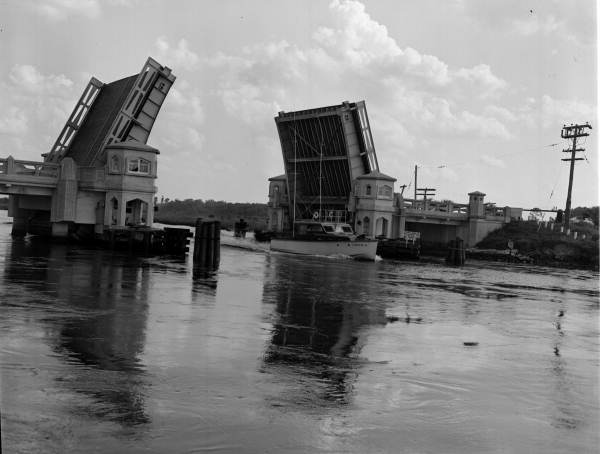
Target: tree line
185, 212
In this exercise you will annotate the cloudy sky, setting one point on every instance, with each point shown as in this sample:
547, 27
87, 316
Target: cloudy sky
474, 92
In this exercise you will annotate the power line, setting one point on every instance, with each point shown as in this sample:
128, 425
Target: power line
463, 163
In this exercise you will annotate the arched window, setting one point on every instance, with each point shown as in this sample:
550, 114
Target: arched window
368, 190
114, 217
115, 164
139, 165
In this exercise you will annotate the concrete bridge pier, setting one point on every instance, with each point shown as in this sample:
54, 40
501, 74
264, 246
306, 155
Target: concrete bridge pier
19, 225
64, 199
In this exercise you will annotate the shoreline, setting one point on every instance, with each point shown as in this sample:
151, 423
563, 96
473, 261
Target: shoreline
478, 254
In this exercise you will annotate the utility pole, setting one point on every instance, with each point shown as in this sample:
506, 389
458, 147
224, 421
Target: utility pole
424, 192
415, 183
572, 132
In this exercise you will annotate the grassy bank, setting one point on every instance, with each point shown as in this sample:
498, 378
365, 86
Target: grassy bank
548, 247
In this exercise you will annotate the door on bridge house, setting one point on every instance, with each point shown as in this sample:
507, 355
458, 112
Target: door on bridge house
366, 226
136, 212
381, 227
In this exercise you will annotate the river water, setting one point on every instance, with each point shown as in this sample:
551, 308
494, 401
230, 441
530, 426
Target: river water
103, 353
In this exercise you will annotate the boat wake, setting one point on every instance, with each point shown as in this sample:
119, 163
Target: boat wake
248, 243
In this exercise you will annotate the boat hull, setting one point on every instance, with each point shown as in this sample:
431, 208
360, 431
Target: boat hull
356, 249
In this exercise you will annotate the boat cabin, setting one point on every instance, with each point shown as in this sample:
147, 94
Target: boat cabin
316, 228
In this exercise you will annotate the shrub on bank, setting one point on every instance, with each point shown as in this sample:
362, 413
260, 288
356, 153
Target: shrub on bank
547, 246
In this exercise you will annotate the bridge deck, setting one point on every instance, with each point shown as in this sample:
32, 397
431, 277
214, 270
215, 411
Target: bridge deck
88, 142
18, 176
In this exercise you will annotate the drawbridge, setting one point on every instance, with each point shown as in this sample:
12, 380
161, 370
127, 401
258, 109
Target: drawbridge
99, 173
324, 151
124, 110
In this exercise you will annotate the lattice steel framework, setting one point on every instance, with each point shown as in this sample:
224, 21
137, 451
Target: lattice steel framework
106, 113
62, 144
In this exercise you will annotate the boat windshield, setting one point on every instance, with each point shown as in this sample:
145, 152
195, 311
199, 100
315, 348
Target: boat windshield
328, 228
346, 229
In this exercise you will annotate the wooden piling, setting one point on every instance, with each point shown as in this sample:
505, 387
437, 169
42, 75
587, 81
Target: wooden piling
456, 252
207, 243
176, 240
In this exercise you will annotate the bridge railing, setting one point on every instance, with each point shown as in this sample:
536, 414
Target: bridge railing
10, 166
491, 210
433, 207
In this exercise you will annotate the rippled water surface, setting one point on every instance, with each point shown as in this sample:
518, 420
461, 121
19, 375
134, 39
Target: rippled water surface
276, 353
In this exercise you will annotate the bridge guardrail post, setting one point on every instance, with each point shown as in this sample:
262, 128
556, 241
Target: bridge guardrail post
10, 165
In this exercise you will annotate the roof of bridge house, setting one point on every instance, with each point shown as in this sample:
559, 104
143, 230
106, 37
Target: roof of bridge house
133, 145
278, 178
375, 175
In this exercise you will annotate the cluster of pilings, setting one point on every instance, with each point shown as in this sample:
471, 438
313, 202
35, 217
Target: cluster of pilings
207, 243
148, 241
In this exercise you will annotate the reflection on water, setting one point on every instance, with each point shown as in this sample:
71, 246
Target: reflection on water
317, 328
105, 353
204, 281
101, 330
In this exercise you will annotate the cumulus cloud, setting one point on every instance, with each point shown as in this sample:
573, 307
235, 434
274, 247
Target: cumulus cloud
28, 78
557, 112
179, 131
187, 103
180, 56
493, 161
356, 37
356, 58
533, 24
481, 78
37, 107
13, 121
501, 113
60, 10
551, 20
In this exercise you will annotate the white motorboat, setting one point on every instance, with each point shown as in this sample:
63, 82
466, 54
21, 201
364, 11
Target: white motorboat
326, 239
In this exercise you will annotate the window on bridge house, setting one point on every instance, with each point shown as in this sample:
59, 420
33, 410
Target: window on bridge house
141, 166
385, 191
368, 190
